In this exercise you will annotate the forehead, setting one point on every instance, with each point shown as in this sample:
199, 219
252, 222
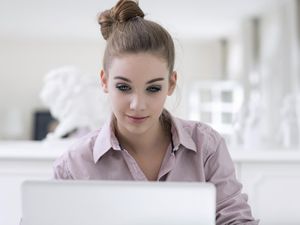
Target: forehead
140, 65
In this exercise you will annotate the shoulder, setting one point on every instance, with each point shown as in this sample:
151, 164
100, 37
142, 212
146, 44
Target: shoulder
84, 145
80, 152
196, 127
206, 138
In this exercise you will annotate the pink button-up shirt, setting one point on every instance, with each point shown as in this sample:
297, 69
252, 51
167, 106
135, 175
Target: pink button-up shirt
197, 153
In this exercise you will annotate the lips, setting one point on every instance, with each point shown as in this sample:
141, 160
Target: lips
137, 119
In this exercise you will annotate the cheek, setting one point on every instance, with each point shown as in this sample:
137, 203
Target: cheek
118, 100
115, 100
158, 102
112, 93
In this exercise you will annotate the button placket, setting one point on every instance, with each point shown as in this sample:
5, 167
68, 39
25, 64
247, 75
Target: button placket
134, 168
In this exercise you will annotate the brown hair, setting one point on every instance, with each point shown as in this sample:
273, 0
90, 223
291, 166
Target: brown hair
126, 31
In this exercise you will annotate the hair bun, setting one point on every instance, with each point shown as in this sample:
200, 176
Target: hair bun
106, 22
122, 12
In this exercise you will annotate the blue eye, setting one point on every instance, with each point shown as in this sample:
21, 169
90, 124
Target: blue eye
154, 89
123, 87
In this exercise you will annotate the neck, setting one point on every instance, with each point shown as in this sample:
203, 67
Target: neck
141, 143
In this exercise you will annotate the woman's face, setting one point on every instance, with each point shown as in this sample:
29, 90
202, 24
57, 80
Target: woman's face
138, 85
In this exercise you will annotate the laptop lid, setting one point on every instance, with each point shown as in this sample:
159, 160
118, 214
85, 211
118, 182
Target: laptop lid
77, 202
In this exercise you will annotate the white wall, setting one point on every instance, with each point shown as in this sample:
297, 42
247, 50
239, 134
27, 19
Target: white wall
195, 60
25, 62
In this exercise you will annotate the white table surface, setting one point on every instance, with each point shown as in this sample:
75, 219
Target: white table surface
53, 149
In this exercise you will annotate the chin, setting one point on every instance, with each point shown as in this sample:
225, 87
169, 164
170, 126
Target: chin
135, 127
136, 130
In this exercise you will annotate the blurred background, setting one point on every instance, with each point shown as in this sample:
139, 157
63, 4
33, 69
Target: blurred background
238, 64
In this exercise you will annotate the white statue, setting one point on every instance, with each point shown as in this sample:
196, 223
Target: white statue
75, 100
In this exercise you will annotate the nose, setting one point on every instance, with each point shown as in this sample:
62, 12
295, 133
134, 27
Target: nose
137, 103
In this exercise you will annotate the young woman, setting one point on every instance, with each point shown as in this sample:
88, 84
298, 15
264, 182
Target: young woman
143, 141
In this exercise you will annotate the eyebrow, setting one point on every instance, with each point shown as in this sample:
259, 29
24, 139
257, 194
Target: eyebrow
154, 80
122, 78
148, 82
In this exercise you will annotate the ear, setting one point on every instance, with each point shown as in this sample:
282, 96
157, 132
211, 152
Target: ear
104, 81
172, 83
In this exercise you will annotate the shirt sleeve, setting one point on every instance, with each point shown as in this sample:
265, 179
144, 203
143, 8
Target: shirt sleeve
61, 169
232, 207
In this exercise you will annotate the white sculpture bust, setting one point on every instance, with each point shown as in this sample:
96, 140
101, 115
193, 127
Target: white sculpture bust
74, 99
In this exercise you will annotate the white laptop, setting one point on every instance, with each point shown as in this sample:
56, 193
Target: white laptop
60, 202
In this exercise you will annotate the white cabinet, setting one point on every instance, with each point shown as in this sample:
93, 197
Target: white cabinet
272, 181
21, 161
270, 178
273, 189
12, 174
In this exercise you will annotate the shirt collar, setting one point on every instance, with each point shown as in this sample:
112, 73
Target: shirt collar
107, 140
180, 135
